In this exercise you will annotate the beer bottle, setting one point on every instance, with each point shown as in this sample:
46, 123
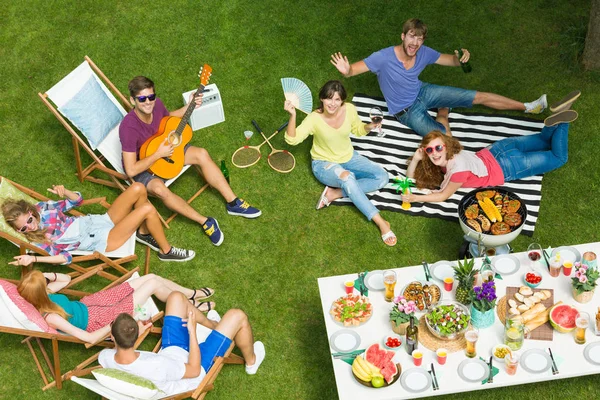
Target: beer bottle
412, 333
224, 170
466, 67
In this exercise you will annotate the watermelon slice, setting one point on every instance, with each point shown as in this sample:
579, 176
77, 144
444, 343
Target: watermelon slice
562, 317
382, 359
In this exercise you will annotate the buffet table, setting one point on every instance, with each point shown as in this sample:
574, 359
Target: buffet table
568, 355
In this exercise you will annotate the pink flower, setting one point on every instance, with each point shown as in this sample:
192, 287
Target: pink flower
583, 279
401, 308
578, 274
582, 271
412, 303
584, 267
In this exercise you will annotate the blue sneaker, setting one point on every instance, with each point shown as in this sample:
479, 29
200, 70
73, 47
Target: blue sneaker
211, 228
243, 209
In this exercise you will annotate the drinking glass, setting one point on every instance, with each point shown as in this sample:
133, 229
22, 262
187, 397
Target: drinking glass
349, 286
534, 252
512, 361
376, 116
389, 280
581, 323
471, 337
555, 265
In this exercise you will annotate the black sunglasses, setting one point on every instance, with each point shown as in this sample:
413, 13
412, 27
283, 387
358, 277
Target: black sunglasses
142, 99
24, 227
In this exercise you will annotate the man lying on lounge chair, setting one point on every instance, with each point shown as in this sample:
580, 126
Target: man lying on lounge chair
182, 363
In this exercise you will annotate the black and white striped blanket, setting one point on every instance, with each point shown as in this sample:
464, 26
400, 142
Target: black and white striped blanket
475, 131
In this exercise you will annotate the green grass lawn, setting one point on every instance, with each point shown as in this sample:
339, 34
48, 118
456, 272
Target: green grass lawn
269, 267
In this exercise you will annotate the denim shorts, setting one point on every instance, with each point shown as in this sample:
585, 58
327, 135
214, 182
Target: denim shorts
145, 177
93, 233
434, 96
175, 334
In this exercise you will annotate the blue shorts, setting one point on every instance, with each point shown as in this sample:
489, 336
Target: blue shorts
145, 177
434, 96
175, 334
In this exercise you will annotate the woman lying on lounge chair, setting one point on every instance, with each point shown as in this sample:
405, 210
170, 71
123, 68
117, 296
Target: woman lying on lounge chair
441, 164
89, 319
47, 225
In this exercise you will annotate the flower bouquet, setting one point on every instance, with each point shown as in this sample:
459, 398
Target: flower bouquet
400, 314
584, 282
483, 301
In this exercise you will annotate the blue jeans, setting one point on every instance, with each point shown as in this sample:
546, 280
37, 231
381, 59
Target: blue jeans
524, 156
434, 96
365, 176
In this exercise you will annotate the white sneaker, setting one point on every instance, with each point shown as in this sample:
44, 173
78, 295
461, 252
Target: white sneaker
213, 315
259, 352
537, 106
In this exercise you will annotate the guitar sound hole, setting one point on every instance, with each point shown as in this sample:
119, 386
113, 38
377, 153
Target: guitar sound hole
174, 139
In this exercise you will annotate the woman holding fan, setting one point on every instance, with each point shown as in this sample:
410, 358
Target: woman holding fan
343, 171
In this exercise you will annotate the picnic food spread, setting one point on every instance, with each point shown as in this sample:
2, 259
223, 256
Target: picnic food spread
493, 213
448, 321
425, 295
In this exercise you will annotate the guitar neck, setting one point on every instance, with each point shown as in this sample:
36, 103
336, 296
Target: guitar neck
188, 112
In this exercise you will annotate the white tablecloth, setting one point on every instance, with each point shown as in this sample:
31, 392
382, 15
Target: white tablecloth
567, 354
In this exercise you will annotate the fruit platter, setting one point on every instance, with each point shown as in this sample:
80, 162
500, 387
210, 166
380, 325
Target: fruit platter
351, 310
424, 294
376, 369
448, 321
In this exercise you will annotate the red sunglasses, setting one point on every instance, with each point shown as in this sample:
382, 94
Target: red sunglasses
438, 148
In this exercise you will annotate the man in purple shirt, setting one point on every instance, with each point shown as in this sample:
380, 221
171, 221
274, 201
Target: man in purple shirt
141, 123
408, 99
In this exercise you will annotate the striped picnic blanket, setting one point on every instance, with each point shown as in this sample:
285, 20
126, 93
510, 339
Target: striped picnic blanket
475, 131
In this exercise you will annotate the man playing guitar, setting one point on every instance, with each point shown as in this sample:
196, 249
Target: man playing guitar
141, 123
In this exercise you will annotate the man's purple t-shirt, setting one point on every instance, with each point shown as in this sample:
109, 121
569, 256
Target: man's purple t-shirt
399, 86
133, 132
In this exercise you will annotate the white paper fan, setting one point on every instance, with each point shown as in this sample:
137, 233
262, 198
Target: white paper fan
298, 93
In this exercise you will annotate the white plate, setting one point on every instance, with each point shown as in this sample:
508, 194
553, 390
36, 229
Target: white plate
473, 370
567, 253
592, 353
374, 280
536, 361
415, 380
505, 264
442, 269
345, 341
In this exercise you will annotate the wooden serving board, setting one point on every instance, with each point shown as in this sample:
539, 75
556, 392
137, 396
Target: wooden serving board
543, 332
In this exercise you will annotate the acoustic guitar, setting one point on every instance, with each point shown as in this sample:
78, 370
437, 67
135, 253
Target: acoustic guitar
177, 132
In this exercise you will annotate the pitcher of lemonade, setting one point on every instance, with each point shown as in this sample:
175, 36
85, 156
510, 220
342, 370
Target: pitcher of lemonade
515, 332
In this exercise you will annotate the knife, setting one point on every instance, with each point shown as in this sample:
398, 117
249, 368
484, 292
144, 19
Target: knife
491, 377
436, 385
554, 367
426, 269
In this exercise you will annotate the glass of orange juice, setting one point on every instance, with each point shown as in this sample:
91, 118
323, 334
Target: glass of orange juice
389, 280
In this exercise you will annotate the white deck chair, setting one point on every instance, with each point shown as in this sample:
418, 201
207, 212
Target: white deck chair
123, 254
203, 388
93, 109
13, 320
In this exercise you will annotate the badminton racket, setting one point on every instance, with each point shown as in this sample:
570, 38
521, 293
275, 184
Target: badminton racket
247, 156
280, 160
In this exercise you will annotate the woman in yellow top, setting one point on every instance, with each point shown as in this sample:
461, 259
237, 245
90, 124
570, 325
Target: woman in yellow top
334, 162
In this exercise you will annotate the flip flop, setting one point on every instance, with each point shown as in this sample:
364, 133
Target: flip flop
209, 305
388, 235
563, 116
565, 102
323, 202
208, 292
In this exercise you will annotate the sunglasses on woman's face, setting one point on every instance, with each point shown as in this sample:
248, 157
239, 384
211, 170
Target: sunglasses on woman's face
142, 99
438, 148
29, 221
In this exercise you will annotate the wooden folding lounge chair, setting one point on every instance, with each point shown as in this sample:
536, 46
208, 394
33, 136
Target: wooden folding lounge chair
94, 113
113, 259
12, 324
200, 392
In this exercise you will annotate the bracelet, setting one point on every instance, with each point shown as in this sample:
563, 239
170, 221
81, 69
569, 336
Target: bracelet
55, 277
35, 259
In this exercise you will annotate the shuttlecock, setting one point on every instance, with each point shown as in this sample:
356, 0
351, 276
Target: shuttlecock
248, 134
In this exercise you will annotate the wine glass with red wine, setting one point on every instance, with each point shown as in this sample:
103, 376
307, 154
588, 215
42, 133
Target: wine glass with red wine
534, 252
376, 116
